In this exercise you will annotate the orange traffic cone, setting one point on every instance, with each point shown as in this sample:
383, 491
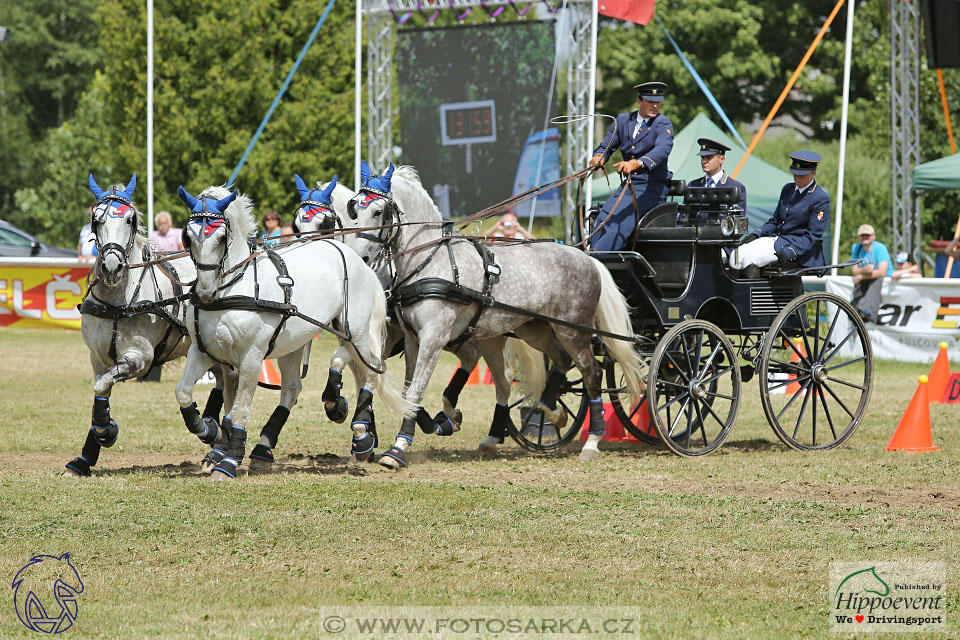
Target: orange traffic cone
914, 433
794, 386
269, 377
939, 375
487, 376
613, 431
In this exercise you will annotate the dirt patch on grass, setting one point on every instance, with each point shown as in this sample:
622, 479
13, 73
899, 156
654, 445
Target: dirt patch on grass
613, 472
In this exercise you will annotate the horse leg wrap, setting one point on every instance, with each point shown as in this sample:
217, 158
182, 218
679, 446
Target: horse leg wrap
335, 405
363, 416
598, 426
271, 431
236, 448
445, 425
104, 428
457, 382
498, 428
214, 404
425, 422
214, 456
552, 389
205, 428
406, 428
88, 456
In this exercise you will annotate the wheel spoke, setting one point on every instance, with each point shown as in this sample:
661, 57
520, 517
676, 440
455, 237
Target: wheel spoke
847, 363
679, 370
800, 356
693, 401
670, 402
813, 415
565, 408
673, 425
803, 333
803, 409
826, 341
839, 346
719, 395
703, 428
839, 401
790, 402
826, 410
672, 384
783, 383
717, 375
715, 416
816, 334
790, 365
709, 363
849, 384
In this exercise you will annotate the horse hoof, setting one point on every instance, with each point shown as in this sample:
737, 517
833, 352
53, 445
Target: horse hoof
586, 455
486, 450
219, 476
360, 458
393, 458
206, 466
70, 473
337, 411
257, 464
557, 415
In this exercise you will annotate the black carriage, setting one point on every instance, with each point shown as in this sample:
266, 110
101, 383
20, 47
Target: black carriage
705, 331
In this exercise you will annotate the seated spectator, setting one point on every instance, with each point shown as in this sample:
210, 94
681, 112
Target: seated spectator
905, 267
272, 224
509, 228
165, 237
868, 275
86, 245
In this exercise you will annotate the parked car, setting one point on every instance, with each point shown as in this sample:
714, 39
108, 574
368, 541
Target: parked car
16, 243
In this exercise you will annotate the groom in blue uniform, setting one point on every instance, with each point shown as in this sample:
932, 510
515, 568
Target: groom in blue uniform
795, 232
645, 138
712, 154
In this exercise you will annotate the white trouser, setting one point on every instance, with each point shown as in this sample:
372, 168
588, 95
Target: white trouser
759, 252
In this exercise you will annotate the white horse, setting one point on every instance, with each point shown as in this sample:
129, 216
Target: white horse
247, 306
131, 317
319, 210
450, 289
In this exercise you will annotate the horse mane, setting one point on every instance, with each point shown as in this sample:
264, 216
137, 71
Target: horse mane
239, 213
140, 240
406, 187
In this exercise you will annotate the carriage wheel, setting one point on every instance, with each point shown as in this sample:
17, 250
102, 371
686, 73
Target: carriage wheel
531, 429
816, 372
693, 388
637, 419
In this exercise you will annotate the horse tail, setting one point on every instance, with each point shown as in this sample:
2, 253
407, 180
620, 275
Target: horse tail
613, 316
531, 370
391, 391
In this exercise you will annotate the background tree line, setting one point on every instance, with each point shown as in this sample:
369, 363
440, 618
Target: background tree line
73, 97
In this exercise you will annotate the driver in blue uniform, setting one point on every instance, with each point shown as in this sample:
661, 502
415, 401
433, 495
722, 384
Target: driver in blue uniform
645, 138
795, 232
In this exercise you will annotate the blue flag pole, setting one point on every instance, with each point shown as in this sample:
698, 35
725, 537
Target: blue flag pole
283, 89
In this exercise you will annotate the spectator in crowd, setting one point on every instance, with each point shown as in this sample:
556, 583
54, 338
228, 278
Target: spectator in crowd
509, 228
868, 275
272, 224
86, 245
905, 267
165, 237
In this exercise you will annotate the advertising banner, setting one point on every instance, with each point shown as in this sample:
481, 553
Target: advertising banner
915, 317
41, 292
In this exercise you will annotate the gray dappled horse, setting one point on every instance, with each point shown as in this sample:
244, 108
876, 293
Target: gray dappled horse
443, 287
318, 211
248, 306
130, 318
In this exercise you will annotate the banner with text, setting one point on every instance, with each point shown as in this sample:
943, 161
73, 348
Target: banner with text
915, 317
41, 293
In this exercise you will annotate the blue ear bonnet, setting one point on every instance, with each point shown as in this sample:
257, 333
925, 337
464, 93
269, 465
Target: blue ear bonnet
321, 197
124, 196
207, 207
379, 185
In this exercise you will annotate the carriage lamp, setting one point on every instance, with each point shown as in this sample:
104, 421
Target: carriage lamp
731, 225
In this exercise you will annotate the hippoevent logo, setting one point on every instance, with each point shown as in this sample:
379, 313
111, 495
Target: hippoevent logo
887, 596
948, 309
45, 593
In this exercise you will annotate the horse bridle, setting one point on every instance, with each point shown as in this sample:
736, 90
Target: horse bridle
330, 220
390, 217
201, 217
121, 250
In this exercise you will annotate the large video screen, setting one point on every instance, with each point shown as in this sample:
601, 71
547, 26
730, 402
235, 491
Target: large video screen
473, 108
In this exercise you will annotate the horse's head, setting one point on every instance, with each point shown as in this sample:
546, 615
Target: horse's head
206, 236
315, 211
373, 206
116, 227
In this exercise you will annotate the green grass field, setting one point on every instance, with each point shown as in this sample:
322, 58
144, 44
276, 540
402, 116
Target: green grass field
735, 544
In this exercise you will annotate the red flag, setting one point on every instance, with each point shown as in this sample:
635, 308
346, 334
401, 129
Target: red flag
639, 11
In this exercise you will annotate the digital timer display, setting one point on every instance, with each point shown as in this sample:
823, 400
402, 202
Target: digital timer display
468, 122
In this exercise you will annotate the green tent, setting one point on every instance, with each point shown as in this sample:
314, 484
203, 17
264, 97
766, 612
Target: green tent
938, 174
762, 180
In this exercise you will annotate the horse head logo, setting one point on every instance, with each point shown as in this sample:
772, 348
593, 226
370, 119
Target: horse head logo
33, 585
865, 580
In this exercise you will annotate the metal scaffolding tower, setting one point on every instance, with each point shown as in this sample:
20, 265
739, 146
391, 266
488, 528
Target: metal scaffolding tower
578, 48
905, 122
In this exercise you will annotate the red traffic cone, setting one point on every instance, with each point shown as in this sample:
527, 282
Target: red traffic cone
914, 432
939, 375
269, 377
613, 430
487, 376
